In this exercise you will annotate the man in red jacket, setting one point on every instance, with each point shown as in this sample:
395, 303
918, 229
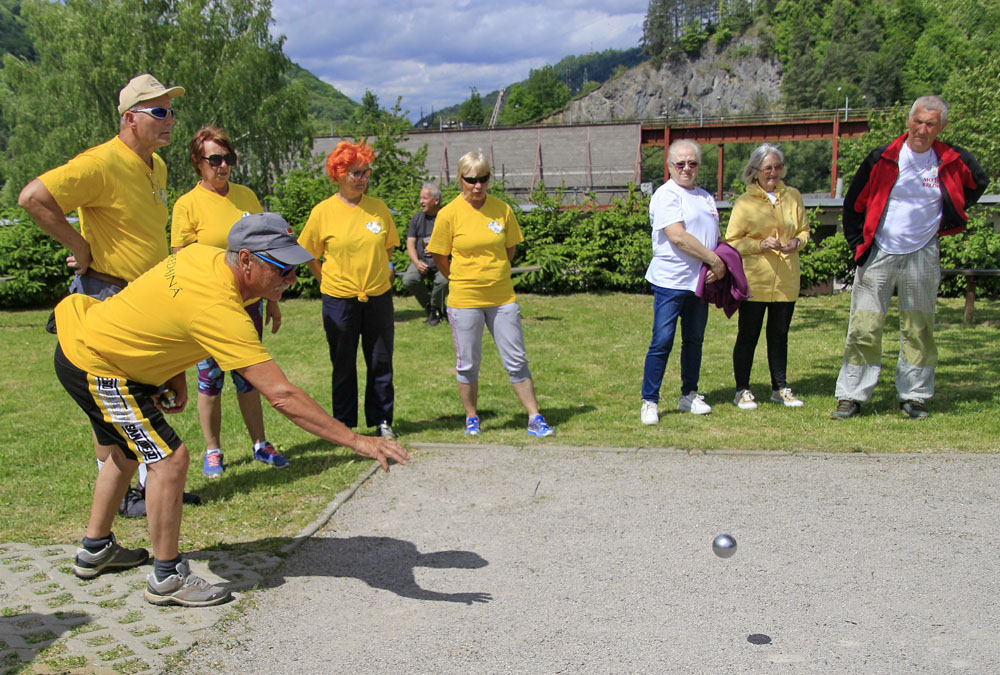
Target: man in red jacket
904, 195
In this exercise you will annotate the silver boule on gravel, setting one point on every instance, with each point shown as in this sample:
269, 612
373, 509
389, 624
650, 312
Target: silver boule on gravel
724, 546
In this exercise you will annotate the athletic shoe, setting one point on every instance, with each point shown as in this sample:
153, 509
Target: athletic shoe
191, 498
267, 454
915, 409
649, 414
537, 426
133, 504
745, 401
385, 431
184, 588
88, 565
472, 426
694, 403
433, 318
212, 466
846, 408
785, 396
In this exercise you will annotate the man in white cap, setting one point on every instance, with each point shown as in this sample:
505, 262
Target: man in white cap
119, 190
115, 358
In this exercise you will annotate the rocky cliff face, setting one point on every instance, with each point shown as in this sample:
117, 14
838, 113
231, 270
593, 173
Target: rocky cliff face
733, 80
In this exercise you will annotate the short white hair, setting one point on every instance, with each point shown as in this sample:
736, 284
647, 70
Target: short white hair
676, 146
931, 102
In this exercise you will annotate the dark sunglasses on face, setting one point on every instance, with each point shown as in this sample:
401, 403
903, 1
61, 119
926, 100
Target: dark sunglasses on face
158, 113
476, 179
680, 165
285, 269
216, 160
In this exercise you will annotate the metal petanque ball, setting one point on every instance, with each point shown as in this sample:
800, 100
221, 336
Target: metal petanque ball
724, 546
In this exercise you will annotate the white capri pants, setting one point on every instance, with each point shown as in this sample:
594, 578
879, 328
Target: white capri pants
504, 322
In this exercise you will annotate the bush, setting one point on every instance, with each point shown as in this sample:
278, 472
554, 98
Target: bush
978, 247
36, 261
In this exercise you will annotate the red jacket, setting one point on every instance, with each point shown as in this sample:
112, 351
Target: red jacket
961, 178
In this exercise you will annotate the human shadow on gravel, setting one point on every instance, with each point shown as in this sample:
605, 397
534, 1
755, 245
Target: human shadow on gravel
381, 562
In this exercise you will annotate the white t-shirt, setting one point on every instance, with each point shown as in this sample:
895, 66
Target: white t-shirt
913, 214
671, 203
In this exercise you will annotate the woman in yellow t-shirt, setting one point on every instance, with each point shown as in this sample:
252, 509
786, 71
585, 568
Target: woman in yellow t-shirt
354, 235
204, 216
480, 234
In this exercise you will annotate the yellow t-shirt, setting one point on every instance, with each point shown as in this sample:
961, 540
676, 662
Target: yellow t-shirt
122, 205
205, 217
353, 242
180, 312
477, 241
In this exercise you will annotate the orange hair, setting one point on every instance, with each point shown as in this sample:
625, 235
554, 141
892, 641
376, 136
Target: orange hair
344, 155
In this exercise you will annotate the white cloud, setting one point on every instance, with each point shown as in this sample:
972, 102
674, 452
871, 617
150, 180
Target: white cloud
432, 52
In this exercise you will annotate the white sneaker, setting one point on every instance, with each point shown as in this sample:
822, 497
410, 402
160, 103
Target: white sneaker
787, 397
693, 402
650, 413
744, 400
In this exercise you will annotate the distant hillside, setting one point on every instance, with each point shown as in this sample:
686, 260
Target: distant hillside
579, 73
327, 106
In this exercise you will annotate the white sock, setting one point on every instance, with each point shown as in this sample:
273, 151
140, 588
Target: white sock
211, 450
142, 476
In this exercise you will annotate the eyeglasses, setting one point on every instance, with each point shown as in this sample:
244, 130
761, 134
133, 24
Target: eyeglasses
216, 160
285, 269
680, 165
772, 167
360, 175
159, 113
476, 179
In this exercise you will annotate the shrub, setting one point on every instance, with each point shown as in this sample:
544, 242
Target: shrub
830, 259
36, 261
978, 247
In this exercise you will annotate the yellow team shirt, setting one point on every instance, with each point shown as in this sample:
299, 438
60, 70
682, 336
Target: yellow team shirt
477, 241
122, 205
183, 310
204, 217
353, 242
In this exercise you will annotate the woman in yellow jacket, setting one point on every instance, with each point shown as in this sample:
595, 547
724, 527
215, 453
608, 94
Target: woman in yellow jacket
768, 227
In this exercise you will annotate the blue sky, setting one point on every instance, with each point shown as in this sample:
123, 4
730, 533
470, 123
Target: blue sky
432, 52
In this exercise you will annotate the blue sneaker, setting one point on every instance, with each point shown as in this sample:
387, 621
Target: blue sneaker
269, 455
472, 426
537, 426
212, 465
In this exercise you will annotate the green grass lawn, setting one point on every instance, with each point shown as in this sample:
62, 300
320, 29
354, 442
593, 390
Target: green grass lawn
586, 356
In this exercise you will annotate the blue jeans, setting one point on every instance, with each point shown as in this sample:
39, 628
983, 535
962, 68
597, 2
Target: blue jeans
668, 306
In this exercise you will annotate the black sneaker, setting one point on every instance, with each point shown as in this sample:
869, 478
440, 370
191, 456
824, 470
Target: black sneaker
134, 504
846, 408
112, 556
915, 409
433, 318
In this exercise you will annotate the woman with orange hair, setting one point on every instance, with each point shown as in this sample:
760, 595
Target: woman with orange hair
354, 235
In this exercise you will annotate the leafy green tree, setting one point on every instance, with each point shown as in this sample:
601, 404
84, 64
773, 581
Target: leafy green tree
221, 51
472, 111
541, 94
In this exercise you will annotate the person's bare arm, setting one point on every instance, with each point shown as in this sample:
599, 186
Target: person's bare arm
316, 267
443, 264
689, 244
43, 209
307, 414
411, 250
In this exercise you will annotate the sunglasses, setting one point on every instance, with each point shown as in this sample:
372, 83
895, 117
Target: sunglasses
216, 160
285, 269
771, 167
476, 179
158, 113
680, 165
360, 175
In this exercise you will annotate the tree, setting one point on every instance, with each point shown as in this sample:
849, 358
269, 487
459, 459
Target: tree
221, 51
472, 111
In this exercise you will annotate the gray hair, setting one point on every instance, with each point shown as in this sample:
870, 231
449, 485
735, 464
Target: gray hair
233, 258
676, 145
931, 102
757, 158
471, 163
435, 190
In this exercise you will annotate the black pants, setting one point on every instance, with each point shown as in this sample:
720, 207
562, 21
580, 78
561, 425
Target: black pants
346, 320
751, 318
